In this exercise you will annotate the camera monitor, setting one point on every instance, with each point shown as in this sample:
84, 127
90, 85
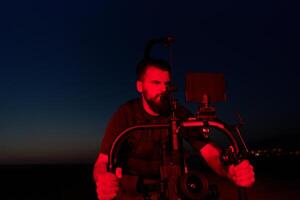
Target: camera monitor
202, 87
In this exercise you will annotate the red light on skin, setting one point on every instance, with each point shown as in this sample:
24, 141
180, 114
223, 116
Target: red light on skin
153, 84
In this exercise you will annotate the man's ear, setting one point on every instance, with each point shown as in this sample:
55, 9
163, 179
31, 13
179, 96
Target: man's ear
139, 86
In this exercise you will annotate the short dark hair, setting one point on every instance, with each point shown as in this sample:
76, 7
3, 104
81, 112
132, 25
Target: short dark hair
144, 63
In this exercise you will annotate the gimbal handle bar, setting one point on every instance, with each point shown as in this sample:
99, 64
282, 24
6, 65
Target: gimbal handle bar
219, 125
124, 134
216, 124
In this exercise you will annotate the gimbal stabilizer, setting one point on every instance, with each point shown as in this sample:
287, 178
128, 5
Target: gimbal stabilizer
176, 181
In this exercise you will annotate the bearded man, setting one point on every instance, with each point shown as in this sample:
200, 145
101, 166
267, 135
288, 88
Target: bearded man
140, 155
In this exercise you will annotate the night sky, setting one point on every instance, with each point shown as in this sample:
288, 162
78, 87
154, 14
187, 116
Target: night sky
65, 67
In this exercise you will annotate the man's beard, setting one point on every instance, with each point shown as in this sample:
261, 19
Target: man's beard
162, 107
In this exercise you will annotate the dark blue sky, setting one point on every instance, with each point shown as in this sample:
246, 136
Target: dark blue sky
66, 65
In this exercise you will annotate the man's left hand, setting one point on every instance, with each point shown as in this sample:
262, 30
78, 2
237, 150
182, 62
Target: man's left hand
242, 174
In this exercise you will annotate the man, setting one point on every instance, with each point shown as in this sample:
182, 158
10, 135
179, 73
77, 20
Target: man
141, 154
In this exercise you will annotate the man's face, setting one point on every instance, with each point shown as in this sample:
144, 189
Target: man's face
153, 87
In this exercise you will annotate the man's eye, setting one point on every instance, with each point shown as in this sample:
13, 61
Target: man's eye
168, 84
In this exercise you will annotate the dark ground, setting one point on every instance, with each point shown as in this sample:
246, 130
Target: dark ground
277, 178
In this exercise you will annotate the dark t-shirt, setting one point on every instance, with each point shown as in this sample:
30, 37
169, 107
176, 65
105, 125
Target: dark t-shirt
140, 154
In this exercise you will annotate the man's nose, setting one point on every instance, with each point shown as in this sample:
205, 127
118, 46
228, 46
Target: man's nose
163, 88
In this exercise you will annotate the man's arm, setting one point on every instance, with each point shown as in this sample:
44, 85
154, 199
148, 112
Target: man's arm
241, 174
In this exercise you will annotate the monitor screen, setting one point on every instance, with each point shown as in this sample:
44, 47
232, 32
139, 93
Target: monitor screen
209, 84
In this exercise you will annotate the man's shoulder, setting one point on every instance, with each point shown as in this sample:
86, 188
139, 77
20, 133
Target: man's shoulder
130, 104
129, 112
129, 108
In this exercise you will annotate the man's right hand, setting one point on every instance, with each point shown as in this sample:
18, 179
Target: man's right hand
107, 186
